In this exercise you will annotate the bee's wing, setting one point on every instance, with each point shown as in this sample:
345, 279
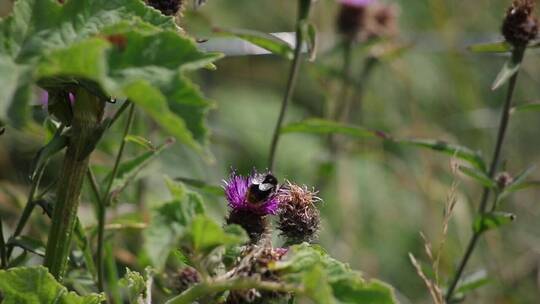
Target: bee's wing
265, 187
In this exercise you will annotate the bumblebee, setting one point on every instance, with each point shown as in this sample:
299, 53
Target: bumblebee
262, 186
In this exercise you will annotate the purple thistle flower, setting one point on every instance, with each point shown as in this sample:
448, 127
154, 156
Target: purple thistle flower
236, 191
357, 3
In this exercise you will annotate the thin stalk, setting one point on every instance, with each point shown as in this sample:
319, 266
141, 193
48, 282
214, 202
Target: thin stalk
87, 116
291, 82
346, 74
27, 211
206, 288
3, 251
105, 200
503, 125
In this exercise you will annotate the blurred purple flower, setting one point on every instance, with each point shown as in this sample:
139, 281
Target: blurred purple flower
44, 98
236, 191
357, 3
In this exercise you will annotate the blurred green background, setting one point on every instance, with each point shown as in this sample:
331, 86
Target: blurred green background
379, 196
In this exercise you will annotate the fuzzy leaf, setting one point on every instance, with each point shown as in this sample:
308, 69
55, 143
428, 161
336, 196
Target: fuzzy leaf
135, 284
205, 235
37, 285
120, 48
37, 27
492, 220
169, 222
304, 263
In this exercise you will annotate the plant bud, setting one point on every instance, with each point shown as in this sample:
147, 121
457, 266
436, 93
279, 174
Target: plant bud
504, 179
520, 25
299, 218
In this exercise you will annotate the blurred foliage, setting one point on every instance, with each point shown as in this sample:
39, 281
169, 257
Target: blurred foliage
379, 195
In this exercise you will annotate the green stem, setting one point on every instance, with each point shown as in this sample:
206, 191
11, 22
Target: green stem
291, 81
503, 125
3, 251
203, 289
87, 115
105, 201
28, 208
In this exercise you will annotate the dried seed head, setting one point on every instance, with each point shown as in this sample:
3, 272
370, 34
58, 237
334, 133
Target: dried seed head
167, 7
299, 218
382, 21
352, 17
520, 25
504, 179
367, 19
184, 279
255, 263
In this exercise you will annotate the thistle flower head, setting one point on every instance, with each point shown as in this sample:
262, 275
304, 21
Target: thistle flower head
167, 7
366, 19
356, 3
237, 190
256, 263
184, 279
520, 25
299, 218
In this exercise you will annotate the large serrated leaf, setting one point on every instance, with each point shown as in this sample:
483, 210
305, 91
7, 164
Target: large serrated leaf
169, 222
118, 48
37, 285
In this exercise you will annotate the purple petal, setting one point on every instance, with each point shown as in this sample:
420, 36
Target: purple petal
357, 3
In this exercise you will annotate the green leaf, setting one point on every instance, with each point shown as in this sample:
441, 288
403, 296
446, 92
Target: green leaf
491, 47
169, 223
509, 69
128, 170
464, 153
316, 286
266, 41
303, 264
29, 244
203, 186
310, 34
529, 107
37, 27
479, 176
135, 284
55, 145
141, 141
492, 220
205, 235
520, 182
472, 282
37, 285
322, 126
98, 46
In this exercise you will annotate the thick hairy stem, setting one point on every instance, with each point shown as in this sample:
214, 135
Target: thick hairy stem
503, 125
87, 114
206, 288
304, 6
